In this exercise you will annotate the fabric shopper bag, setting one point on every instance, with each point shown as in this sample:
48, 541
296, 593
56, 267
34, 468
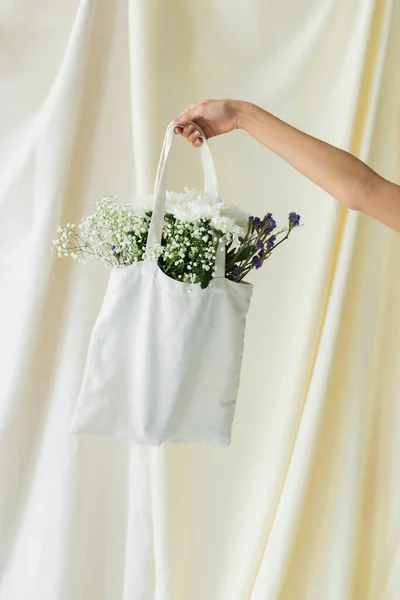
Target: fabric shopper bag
164, 357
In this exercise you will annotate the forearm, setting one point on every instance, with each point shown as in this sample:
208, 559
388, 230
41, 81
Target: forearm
341, 174
336, 171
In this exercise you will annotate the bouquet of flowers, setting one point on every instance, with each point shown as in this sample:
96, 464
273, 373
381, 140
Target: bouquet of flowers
194, 227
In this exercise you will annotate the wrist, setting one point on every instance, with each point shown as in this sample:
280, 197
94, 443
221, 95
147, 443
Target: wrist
244, 111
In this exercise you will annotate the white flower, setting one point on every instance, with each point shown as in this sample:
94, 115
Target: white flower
117, 234
192, 205
153, 253
237, 215
143, 204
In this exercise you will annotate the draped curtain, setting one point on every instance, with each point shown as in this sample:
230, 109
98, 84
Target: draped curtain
305, 503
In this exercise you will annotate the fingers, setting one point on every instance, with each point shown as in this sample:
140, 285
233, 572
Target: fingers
190, 133
196, 114
190, 114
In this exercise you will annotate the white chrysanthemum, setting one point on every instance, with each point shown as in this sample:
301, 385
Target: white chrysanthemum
236, 214
192, 205
224, 224
143, 204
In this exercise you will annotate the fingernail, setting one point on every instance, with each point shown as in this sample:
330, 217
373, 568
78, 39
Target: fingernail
197, 134
190, 129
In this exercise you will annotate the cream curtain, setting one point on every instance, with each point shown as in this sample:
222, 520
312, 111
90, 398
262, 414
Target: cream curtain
305, 504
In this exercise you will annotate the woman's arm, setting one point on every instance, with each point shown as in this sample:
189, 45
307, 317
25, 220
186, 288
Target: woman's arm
341, 174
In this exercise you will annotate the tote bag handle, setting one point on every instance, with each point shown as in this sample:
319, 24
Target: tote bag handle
160, 189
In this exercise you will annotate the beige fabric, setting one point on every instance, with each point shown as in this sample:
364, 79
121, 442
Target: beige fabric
305, 503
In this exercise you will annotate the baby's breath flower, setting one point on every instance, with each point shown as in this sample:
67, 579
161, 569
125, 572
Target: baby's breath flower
153, 253
195, 225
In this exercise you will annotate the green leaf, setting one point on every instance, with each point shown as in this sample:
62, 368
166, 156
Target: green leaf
205, 280
244, 253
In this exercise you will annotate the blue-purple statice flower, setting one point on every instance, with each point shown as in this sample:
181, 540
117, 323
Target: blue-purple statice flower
235, 272
270, 223
257, 245
257, 261
294, 219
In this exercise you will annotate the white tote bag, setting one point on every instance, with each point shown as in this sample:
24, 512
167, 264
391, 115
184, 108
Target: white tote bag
164, 358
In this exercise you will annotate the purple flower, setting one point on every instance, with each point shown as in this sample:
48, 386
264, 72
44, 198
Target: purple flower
251, 219
271, 242
294, 219
270, 223
257, 262
235, 272
112, 248
257, 222
259, 244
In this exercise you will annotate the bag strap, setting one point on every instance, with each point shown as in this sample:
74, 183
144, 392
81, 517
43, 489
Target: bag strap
210, 187
210, 176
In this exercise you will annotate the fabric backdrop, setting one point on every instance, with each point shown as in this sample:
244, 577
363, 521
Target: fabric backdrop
305, 504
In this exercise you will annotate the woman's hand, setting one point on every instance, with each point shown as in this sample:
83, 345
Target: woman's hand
214, 117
